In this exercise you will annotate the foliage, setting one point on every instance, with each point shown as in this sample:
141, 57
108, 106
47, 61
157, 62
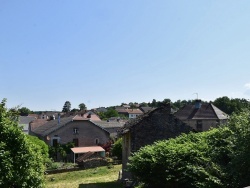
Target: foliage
231, 105
21, 162
108, 114
24, 111
66, 107
62, 149
74, 110
82, 106
41, 146
117, 149
216, 158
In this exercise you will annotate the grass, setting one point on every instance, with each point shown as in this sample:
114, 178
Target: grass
101, 177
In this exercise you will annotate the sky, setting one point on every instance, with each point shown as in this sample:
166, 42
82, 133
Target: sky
108, 52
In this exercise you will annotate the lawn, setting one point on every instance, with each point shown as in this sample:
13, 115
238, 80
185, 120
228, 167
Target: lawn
101, 177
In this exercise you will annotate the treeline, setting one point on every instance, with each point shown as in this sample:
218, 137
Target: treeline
226, 104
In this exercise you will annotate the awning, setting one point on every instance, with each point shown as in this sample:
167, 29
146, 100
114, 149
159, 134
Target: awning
79, 150
87, 149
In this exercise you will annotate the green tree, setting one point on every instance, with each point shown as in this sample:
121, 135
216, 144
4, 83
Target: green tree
66, 107
41, 146
24, 111
117, 149
21, 162
111, 113
143, 104
230, 106
82, 106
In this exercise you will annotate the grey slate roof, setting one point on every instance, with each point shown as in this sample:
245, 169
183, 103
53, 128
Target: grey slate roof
26, 119
106, 124
206, 111
146, 109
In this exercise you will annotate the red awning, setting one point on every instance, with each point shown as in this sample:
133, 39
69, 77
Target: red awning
87, 149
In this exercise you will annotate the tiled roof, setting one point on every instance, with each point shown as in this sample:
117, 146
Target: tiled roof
206, 111
112, 124
134, 111
37, 123
121, 110
51, 126
140, 118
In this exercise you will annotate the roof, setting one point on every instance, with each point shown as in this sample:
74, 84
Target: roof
53, 125
143, 117
121, 110
146, 109
26, 119
87, 149
206, 111
112, 124
37, 123
134, 111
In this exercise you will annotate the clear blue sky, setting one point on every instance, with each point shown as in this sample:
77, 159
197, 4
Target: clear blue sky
106, 52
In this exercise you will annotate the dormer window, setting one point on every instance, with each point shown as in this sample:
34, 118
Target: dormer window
75, 130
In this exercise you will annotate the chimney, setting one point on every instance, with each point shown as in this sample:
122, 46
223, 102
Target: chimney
197, 104
58, 119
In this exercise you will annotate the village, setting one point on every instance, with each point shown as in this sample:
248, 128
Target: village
92, 138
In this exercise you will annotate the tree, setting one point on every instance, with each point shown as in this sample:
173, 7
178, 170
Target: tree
143, 104
21, 161
66, 107
24, 111
82, 106
117, 149
231, 105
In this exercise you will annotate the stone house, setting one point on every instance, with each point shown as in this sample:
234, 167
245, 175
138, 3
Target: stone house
201, 117
130, 113
82, 131
158, 124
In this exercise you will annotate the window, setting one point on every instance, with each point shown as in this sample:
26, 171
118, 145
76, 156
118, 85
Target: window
75, 130
76, 142
55, 142
199, 125
97, 141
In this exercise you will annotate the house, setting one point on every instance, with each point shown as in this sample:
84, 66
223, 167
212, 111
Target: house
24, 122
130, 113
133, 113
201, 117
158, 124
75, 129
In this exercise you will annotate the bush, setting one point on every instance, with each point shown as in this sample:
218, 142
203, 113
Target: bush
117, 149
